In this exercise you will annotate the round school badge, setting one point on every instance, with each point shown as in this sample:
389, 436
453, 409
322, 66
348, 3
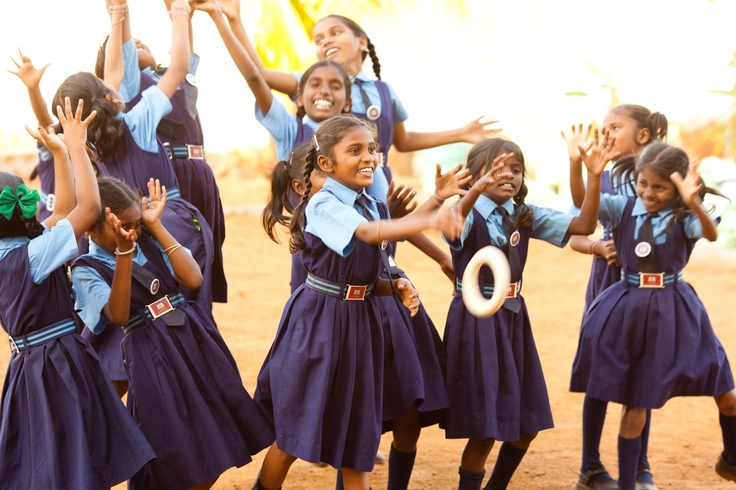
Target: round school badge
384, 244
190, 78
155, 284
514, 239
373, 113
643, 249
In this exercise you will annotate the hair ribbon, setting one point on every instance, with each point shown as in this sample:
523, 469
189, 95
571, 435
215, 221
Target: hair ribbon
27, 199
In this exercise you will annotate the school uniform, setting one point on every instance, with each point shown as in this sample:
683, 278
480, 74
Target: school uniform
139, 157
181, 134
286, 130
641, 346
61, 423
185, 390
322, 381
47, 179
495, 382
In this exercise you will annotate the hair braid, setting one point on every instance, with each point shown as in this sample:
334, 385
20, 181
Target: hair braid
374, 58
296, 242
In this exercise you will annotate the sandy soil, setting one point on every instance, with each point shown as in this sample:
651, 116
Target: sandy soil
685, 437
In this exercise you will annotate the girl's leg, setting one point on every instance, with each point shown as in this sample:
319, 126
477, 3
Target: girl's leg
403, 449
643, 473
629, 445
274, 469
726, 464
592, 474
509, 457
473, 462
354, 479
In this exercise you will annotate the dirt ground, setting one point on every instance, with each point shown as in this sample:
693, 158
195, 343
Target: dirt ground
685, 436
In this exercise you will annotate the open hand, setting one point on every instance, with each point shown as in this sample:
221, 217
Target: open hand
125, 239
75, 128
28, 74
400, 199
598, 153
691, 186
451, 182
153, 205
576, 138
477, 130
408, 295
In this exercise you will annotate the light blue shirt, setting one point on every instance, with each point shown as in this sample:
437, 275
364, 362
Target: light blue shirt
92, 292
46, 252
549, 224
332, 216
612, 209
283, 127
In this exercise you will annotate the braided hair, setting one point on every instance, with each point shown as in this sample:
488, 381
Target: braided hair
360, 32
17, 225
479, 161
105, 131
329, 133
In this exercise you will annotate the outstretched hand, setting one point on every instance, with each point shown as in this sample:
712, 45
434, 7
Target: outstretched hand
477, 130
231, 9
691, 186
598, 153
493, 177
450, 222
577, 138
153, 205
451, 182
400, 200
28, 74
48, 138
75, 128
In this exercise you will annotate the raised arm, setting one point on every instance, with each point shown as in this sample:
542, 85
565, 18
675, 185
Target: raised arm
689, 189
114, 68
31, 78
576, 137
245, 63
473, 132
180, 13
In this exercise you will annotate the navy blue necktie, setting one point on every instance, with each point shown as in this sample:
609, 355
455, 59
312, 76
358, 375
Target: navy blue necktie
648, 263
513, 251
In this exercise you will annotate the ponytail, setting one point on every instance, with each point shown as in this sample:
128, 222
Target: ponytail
278, 201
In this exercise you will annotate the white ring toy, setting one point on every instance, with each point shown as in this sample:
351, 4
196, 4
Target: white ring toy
474, 300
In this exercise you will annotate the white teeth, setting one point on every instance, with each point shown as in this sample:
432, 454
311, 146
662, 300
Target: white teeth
322, 104
366, 171
330, 51
507, 185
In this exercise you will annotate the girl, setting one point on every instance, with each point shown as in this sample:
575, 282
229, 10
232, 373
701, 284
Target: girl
328, 355
127, 147
185, 389
494, 378
131, 68
633, 127
61, 424
647, 338
340, 39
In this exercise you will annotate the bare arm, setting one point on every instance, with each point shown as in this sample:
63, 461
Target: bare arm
689, 189
576, 137
179, 65
114, 70
117, 308
31, 78
472, 132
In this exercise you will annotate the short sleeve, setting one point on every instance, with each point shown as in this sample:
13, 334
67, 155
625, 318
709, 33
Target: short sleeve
91, 294
333, 222
144, 117
281, 125
51, 250
131, 83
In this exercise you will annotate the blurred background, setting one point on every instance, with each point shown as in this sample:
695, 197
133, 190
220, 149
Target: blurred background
536, 66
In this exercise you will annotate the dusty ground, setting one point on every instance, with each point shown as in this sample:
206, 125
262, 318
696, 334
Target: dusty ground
685, 437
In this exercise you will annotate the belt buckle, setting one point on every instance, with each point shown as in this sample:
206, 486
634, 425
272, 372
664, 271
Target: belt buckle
169, 151
13, 345
195, 152
651, 279
513, 290
160, 307
355, 293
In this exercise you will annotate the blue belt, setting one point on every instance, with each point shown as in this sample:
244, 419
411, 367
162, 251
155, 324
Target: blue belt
651, 279
172, 193
487, 289
138, 320
53, 331
346, 292
191, 152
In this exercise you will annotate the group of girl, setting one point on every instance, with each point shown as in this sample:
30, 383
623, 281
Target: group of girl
355, 353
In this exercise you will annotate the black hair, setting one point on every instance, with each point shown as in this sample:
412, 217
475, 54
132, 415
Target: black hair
300, 112
360, 32
329, 133
655, 122
664, 160
479, 160
17, 225
279, 208
100, 61
116, 195
105, 132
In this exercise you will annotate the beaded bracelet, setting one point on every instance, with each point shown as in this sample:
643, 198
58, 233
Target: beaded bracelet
127, 252
118, 8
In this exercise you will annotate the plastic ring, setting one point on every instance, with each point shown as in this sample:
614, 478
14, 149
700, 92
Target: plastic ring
474, 301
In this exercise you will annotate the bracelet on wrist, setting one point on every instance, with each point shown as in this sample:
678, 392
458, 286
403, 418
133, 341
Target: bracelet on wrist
170, 250
178, 9
118, 8
437, 199
127, 252
591, 247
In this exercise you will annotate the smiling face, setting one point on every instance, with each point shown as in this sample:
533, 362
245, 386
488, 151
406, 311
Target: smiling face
324, 94
335, 41
353, 159
655, 191
509, 181
630, 138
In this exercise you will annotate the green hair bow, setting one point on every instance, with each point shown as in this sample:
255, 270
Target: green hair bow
24, 197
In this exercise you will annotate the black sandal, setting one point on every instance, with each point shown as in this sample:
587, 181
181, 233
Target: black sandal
588, 480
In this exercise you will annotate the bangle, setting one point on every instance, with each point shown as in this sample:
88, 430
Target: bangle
178, 9
170, 250
118, 8
127, 252
437, 199
591, 247
118, 21
378, 231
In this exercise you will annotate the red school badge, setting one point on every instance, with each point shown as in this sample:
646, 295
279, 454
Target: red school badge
514, 239
373, 113
160, 307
